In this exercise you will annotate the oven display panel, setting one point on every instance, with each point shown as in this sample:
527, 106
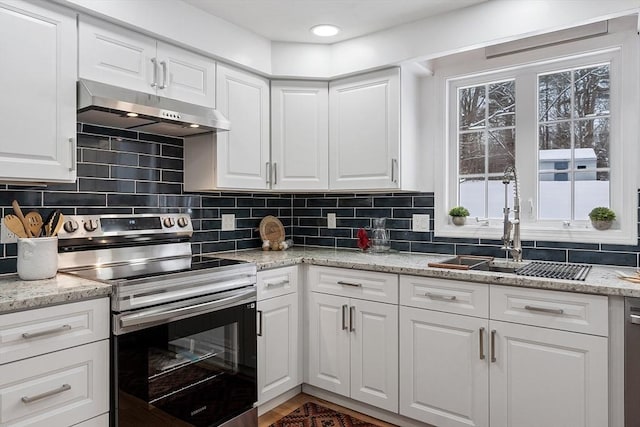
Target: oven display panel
130, 224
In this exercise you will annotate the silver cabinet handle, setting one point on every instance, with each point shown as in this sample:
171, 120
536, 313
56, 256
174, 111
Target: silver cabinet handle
352, 319
164, 75
275, 173
481, 343
281, 283
493, 346
259, 312
72, 149
355, 285
28, 335
154, 83
394, 167
268, 174
544, 310
635, 319
441, 297
344, 317
29, 399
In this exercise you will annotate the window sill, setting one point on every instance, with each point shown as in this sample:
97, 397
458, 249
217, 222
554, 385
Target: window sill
573, 234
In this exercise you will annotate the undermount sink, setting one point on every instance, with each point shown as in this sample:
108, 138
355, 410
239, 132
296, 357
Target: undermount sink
552, 270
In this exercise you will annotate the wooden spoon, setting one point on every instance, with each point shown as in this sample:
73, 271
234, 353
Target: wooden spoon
35, 223
18, 212
56, 223
14, 225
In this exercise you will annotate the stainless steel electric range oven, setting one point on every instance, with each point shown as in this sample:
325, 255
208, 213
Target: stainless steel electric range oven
184, 327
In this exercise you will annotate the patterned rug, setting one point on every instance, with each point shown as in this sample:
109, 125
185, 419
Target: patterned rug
313, 415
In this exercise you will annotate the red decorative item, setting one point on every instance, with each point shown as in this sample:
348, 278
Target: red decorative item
363, 239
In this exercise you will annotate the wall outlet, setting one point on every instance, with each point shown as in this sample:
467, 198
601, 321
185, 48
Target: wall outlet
228, 222
420, 222
7, 236
331, 220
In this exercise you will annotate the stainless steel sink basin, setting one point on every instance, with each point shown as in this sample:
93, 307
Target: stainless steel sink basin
462, 262
495, 268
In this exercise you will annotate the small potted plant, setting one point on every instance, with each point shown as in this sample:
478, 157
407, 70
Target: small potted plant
459, 215
602, 217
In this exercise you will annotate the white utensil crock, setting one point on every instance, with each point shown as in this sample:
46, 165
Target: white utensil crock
37, 258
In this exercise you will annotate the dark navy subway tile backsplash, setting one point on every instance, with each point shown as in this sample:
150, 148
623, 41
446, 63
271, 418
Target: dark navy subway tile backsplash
123, 171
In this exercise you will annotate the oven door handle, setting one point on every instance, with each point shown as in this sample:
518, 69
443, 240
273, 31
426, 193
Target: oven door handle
145, 317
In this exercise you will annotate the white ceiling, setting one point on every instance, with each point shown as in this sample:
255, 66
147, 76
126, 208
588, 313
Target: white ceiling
290, 20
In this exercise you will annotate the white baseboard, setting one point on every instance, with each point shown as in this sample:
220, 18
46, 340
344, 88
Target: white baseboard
279, 400
363, 408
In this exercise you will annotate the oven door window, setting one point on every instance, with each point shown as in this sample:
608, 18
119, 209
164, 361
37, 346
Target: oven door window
198, 371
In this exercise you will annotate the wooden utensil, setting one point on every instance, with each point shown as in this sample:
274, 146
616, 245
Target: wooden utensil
56, 223
35, 223
18, 212
14, 225
47, 223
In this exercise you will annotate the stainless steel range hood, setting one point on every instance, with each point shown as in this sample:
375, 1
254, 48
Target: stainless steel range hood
112, 106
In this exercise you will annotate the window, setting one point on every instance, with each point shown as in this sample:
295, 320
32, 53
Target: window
565, 116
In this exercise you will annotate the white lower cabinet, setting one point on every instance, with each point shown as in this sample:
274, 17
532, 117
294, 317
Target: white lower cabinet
352, 348
279, 334
458, 370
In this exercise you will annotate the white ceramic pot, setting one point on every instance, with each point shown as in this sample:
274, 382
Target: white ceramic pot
601, 225
459, 220
37, 258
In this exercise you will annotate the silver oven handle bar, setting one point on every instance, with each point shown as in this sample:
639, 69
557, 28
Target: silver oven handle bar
157, 315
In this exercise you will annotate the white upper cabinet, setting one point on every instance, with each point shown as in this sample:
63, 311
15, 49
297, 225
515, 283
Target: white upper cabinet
243, 152
300, 135
373, 132
119, 57
38, 102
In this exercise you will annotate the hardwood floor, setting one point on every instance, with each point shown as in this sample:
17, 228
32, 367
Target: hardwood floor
280, 411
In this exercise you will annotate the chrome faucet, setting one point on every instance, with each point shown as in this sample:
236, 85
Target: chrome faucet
509, 243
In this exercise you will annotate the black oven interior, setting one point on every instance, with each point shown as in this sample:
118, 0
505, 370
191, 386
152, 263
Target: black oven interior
199, 371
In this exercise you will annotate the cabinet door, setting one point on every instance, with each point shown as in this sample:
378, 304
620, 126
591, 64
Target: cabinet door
300, 135
278, 342
545, 377
117, 56
364, 131
243, 152
328, 342
374, 353
38, 104
186, 76
444, 375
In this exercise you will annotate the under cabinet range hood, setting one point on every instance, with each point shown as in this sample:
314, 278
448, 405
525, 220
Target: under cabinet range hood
113, 106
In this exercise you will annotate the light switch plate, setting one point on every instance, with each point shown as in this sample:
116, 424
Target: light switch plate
228, 222
331, 220
420, 222
7, 236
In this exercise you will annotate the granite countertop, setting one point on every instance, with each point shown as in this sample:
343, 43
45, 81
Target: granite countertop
16, 294
602, 280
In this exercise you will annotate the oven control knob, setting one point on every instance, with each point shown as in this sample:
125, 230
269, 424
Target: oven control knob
183, 222
168, 222
70, 226
91, 225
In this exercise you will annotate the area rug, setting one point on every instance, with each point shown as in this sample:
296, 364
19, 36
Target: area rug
314, 415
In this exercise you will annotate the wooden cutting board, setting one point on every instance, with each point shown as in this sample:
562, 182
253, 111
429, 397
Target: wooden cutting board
271, 229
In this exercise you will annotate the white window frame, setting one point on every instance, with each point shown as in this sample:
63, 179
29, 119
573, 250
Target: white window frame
620, 49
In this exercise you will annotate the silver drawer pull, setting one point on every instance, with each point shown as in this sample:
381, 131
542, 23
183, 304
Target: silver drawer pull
28, 335
544, 310
356, 285
441, 297
281, 283
635, 319
29, 399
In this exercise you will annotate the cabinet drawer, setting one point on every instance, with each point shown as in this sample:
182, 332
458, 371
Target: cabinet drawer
43, 330
367, 285
551, 309
276, 282
61, 388
100, 421
451, 296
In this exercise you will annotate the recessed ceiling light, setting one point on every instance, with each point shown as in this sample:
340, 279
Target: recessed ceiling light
194, 125
132, 114
325, 30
